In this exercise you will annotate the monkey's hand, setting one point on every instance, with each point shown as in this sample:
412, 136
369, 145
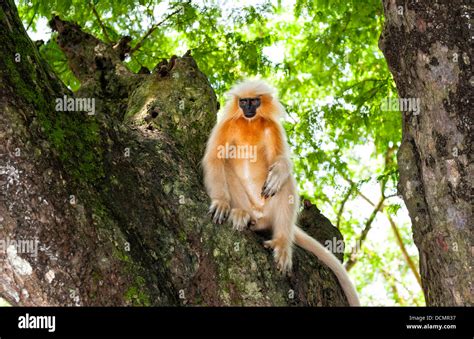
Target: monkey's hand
219, 211
277, 175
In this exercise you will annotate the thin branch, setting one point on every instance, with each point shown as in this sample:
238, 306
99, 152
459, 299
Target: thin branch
379, 208
390, 279
363, 81
343, 204
394, 227
387, 274
356, 189
152, 29
102, 26
368, 225
33, 17
398, 237
408, 259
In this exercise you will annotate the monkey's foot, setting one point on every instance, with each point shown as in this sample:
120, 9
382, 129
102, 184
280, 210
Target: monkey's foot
240, 219
282, 252
219, 211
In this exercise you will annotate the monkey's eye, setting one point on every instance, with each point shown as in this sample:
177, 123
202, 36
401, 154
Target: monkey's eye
255, 102
242, 102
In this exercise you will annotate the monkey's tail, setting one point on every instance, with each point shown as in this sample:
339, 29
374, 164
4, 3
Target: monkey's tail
312, 245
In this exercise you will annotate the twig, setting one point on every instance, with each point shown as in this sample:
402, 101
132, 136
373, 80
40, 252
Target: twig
391, 280
394, 227
152, 29
343, 204
408, 259
381, 208
387, 275
102, 26
352, 183
361, 82
33, 17
353, 259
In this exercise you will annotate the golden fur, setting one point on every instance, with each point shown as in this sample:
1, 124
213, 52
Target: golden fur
258, 189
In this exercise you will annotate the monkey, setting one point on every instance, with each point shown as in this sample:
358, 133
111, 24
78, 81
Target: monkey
248, 176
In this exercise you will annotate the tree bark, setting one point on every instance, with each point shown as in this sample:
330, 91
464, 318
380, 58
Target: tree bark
115, 200
428, 48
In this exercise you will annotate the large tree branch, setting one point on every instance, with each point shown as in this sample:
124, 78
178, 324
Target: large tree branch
90, 59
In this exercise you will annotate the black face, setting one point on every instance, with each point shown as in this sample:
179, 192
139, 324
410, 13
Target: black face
249, 106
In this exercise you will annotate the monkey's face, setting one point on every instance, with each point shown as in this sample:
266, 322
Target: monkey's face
249, 106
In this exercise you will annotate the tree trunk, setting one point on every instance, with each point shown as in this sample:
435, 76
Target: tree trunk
428, 48
115, 200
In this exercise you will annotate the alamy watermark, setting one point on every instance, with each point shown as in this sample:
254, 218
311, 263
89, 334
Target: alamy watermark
237, 152
67, 104
47, 322
401, 104
335, 245
23, 246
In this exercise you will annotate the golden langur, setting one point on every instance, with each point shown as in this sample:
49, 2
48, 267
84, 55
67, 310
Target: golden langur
248, 176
